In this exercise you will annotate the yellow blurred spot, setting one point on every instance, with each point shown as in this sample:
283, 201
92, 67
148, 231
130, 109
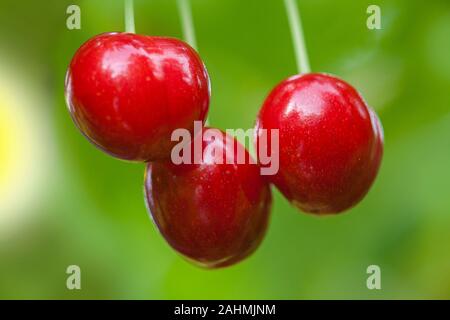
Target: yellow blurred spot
8, 149
23, 152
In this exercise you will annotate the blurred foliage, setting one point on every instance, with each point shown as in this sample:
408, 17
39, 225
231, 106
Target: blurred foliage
91, 210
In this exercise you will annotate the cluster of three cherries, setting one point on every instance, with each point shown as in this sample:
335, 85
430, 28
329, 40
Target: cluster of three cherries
127, 93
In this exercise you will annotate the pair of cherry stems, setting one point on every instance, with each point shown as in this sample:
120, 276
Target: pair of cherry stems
184, 8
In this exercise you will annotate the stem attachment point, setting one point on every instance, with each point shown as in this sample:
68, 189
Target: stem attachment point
187, 22
129, 16
298, 37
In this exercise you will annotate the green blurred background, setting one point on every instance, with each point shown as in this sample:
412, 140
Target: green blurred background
63, 202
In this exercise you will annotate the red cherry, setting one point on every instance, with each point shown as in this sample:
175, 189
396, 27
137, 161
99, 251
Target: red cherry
213, 214
128, 92
330, 142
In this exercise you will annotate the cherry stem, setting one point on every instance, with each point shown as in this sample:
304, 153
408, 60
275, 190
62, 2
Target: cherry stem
187, 22
298, 38
184, 8
129, 16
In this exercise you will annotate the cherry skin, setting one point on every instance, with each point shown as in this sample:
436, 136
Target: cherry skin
128, 92
330, 142
213, 214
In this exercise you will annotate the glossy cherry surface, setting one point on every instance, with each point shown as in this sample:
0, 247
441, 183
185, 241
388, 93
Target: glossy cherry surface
213, 214
128, 92
330, 142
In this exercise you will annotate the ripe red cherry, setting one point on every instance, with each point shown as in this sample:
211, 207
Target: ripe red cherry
330, 142
213, 214
128, 92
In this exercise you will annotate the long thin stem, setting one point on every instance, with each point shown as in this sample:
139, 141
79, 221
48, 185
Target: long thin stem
129, 16
187, 22
297, 36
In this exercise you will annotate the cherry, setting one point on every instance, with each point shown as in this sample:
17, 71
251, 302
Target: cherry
330, 142
128, 92
213, 213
